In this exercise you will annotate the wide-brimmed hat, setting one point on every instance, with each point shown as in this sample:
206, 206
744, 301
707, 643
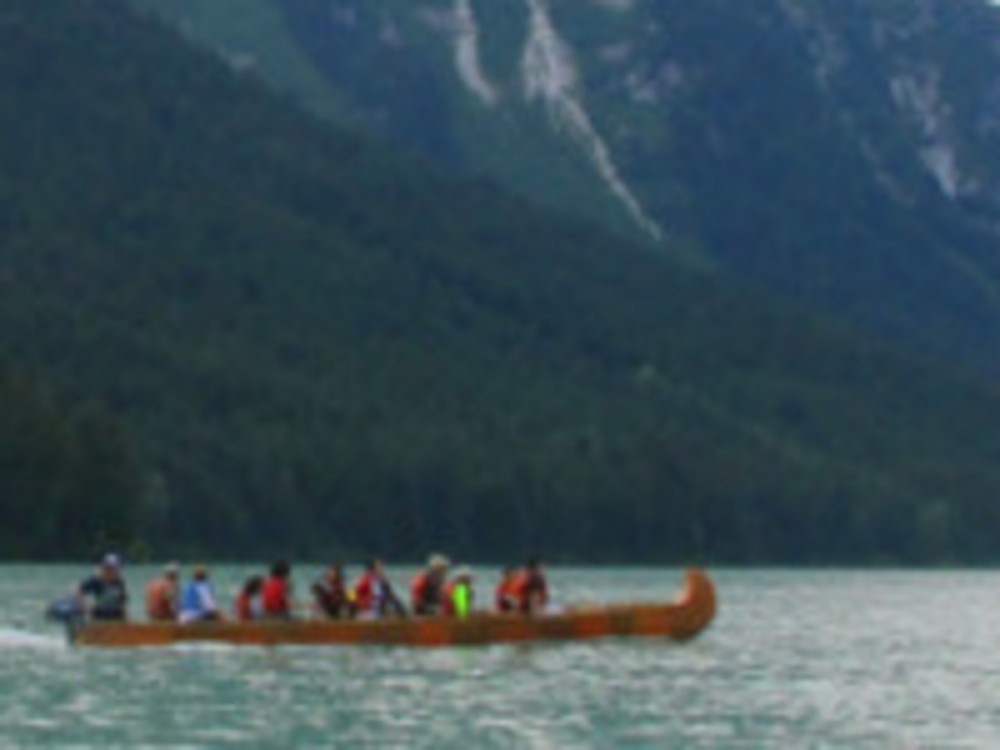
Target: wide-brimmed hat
438, 561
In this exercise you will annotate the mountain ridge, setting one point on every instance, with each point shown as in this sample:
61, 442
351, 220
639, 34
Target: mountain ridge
319, 346
842, 154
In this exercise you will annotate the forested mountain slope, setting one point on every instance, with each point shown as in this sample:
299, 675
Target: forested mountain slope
842, 152
316, 345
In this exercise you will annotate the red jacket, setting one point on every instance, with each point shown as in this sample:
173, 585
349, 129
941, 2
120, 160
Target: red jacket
275, 597
364, 592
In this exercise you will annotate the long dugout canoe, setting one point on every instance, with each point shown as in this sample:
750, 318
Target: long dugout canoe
684, 618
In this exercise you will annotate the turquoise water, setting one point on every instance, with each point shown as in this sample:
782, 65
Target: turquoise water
795, 659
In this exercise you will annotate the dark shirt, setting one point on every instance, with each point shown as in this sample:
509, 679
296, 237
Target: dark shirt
109, 597
428, 594
331, 597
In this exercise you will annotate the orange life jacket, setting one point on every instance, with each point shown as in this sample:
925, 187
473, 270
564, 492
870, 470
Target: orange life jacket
161, 600
426, 594
530, 591
505, 596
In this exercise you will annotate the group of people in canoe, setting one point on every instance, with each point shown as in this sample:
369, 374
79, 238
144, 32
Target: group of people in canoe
437, 590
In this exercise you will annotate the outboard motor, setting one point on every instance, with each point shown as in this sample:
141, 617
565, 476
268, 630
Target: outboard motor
70, 612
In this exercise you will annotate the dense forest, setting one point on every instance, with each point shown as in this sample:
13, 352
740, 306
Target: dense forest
239, 332
68, 480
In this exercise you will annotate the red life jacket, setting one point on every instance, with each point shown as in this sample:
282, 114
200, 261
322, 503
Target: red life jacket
244, 607
274, 597
530, 591
417, 588
364, 592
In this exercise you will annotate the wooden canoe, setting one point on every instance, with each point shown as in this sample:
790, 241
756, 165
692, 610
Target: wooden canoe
688, 615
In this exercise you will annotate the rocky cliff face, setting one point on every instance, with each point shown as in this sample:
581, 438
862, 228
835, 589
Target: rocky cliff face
846, 152
913, 84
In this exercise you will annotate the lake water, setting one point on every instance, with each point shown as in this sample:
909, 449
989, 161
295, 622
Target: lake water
794, 659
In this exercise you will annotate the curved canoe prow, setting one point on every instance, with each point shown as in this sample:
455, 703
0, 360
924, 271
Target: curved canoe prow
697, 602
679, 620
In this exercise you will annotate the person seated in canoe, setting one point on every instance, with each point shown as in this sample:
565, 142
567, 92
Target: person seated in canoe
459, 595
530, 588
276, 594
198, 602
427, 587
104, 595
330, 599
505, 597
248, 605
162, 594
373, 594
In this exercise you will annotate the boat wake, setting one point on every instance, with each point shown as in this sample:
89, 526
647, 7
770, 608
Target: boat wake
14, 639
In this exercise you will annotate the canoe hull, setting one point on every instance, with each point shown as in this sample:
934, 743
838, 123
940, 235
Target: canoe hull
680, 620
